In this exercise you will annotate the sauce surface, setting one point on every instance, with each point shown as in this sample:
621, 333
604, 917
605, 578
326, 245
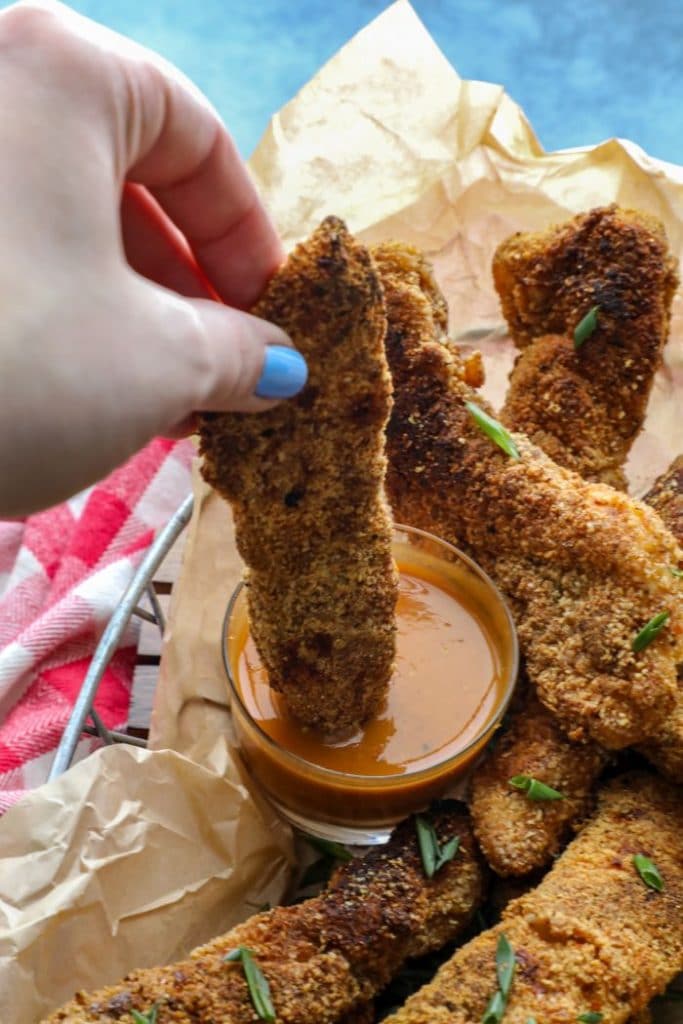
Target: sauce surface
446, 687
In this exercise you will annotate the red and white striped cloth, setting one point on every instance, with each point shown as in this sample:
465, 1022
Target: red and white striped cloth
62, 573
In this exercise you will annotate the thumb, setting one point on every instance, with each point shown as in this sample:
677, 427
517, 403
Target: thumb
251, 363
212, 358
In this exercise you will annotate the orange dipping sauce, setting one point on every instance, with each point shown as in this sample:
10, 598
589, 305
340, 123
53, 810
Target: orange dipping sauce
455, 668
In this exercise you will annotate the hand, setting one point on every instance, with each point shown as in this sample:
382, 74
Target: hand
124, 207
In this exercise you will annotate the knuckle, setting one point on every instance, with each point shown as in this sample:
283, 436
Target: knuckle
28, 25
190, 342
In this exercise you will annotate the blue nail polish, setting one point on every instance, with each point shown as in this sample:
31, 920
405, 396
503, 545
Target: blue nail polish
284, 373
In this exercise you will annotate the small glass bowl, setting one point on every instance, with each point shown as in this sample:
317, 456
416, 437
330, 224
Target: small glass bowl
357, 808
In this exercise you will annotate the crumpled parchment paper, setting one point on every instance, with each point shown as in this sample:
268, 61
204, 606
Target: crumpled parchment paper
134, 857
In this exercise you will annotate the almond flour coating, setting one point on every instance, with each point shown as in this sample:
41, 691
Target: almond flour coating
518, 835
305, 481
584, 567
592, 936
584, 408
324, 959
666, 496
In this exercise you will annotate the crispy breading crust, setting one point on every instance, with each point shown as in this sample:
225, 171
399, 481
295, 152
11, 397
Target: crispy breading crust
592, 936
584, 408
584, 566
666, 496
305, 481
610, 257
325, 958
518, 835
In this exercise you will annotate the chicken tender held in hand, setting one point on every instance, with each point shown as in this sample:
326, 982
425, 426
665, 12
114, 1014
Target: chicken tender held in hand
305, 481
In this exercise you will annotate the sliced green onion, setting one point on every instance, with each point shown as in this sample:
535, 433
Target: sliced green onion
648, 633
505, 965
585, 327
233, 956
149, 1017
534, 789
259, 989
591, 1017
433, 855
448, 852
648, 871
330, 848
428, 845
678, 573
493, 429
493, 1013
505, 972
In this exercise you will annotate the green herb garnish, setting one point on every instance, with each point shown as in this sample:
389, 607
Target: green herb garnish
505, 965
534, 789
505, 972
591, 1017
648, 633
329, 848
678, 573
493, 429
259, 989
648, 871
149, 1017
531, 1020
585, 327
495, 1009
434, 856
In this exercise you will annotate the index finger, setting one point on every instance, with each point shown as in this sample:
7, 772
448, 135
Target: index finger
193, 169
166, 136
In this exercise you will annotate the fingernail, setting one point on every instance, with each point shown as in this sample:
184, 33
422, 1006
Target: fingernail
284, 373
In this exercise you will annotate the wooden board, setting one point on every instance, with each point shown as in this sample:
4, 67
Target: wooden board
149, 645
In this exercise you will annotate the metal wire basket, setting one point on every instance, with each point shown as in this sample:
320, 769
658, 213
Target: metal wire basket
129, 605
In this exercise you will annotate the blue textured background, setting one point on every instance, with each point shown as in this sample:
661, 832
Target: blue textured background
582, 71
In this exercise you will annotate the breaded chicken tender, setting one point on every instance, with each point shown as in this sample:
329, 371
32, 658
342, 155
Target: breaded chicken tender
666, 496
518, 835
584, 567
323, 959
593, 937
305, 481
585, 407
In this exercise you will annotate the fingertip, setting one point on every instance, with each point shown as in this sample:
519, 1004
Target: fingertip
284, 373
